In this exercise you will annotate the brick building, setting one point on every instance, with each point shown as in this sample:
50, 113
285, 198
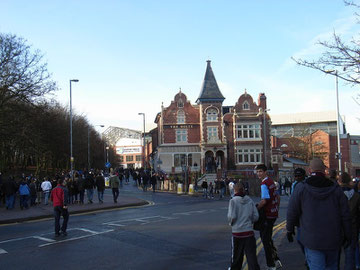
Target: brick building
208, 136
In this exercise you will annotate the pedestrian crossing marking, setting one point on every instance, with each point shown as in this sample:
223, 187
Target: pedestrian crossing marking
3, 251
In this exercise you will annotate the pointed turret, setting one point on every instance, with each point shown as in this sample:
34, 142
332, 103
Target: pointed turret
210, 91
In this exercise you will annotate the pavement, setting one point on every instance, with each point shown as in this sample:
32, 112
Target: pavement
41, 211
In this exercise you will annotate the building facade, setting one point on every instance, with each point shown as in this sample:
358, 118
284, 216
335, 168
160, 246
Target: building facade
209, 137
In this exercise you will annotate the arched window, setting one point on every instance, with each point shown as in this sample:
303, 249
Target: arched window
246, 106
211, 114
180, 117
180, 103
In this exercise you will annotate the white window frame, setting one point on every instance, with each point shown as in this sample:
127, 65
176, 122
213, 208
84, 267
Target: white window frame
212, 131
248, 132
181, 135
180, 117
246, 105
184, 159
212, 115
246, 155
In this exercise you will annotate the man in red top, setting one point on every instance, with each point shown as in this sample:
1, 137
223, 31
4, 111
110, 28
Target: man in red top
59, 196
269, 204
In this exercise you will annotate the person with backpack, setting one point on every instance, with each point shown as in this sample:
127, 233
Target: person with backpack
114, 185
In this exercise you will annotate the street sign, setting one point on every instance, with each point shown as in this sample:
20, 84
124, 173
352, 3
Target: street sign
107, 164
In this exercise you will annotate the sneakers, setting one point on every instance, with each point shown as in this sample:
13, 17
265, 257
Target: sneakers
57, 234
278, 264
64, 233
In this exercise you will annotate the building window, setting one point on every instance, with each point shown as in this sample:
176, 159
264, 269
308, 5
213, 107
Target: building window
248, 155
180, 117
246, 106
212, 133
129, 158
180, 104
121, 158
181, 135
248, 131
211, 114
138, 157
180, 160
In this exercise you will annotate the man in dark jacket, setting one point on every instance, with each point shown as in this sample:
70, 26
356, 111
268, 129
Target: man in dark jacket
100, 185
354, 205
60, 198
89, 186
10, 188
321, 209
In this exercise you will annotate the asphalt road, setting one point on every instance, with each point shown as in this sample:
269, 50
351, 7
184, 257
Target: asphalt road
173, 232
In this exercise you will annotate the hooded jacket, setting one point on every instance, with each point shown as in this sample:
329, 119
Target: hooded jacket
354, 205
321, 209
242, 214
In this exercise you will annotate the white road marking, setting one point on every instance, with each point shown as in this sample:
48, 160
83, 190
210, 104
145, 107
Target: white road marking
3, 251
75, 238
44, 239
86, 230
15, 239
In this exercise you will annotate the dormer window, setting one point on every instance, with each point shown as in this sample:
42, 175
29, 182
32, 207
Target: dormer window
211, 114
180, 117
180, 104
246, 106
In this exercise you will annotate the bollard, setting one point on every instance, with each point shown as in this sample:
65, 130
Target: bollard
180, 189
191, 189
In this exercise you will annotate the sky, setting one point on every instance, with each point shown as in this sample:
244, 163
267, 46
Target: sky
131, 55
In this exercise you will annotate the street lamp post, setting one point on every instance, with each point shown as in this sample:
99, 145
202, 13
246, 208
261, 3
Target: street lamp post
71, 142
143, 114
89, 163
339, 155
263, 113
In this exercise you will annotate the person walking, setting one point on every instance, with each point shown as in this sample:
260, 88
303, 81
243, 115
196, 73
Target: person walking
222, 188
270, 205
354, 205
60, 198
231, 188
32, 187
153, 181
89, 186
38, 191
46, 188
242, 214
100, 185
321, 208
114, 185
211, 190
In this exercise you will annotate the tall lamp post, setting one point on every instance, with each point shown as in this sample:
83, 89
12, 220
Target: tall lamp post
89, 163
263, 113
71, 142
338, 154
143, 114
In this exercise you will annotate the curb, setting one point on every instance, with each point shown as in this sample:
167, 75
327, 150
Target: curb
39, 217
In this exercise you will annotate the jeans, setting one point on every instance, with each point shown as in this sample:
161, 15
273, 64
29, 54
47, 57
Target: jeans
90, 194
101, 195
10, 201
322, 259
82, 193
357, 255
266, 238
222, 193
349, 258
239, 247
46, 195
115, 192
205, 192
24, 201
60, 211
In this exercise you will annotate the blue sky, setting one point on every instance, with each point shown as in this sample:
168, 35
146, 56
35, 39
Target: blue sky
130, 56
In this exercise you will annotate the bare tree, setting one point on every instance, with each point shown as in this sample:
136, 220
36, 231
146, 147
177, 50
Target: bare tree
339, 55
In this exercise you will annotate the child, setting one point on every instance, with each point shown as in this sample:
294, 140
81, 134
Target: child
242, 214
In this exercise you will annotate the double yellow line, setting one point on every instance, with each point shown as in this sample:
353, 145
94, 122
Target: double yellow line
259, 244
